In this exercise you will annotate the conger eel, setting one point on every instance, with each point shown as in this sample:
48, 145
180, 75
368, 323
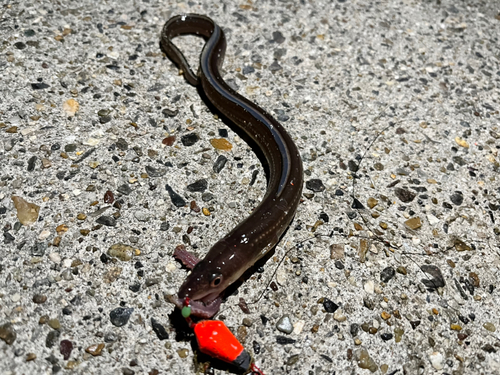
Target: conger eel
231, 256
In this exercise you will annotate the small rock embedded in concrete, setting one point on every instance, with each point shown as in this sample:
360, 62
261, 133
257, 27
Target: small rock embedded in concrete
95, 350
369, 287
387, 274
8, 333
121, 251
436, 360
329, 306
52, 338
457, 198
219, 163
39, 298
176, 199
489, 327
283, 340
155, 172
190, 139
364, 360
39, 86
413, 223
109, 197
315, 185
27, 213
70, 107
404, 195
437, 280
39, 249
160, 331
386, 336
54, 323
65, 348
372, 202
221, 144
199, 186
461, 245
109, 221
124, 189
120, 316
284, 324
292, 360
31, 163
337, 251
169, 141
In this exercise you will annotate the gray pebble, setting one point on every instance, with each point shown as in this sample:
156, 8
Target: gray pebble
109, 221
160, 331
141, 216
285, 324
52, 338
198, 186
155, 172
457, 198
67, 275
153, 281
437, 280
404, 195
207, 197
315, 185
124, 189
387, 274
39, 249
110, 337
120, 316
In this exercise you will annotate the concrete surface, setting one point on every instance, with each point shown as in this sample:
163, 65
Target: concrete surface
394, 103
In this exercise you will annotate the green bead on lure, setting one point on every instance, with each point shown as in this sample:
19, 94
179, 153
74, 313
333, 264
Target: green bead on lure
186, 312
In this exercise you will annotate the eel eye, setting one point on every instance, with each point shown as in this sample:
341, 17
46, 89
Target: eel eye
215, 280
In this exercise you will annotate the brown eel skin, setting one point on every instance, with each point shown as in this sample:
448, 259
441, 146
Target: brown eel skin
231, 256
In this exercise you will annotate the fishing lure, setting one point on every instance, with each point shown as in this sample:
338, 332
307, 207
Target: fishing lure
217, 341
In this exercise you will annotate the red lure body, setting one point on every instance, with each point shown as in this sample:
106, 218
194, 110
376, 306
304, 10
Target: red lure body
216, 340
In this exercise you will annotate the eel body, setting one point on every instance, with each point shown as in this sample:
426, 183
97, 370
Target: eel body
251, 239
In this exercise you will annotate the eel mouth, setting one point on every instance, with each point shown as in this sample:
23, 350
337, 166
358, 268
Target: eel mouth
199, 309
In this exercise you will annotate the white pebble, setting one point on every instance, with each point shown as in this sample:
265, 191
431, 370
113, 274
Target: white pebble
44, 234
331, 182
298, 326
170, 267
433, 220
55, 257
352, 280
338, 316
281, 277
436, 360
91, 142
113, 54
16, 297
369, 286
67, 263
